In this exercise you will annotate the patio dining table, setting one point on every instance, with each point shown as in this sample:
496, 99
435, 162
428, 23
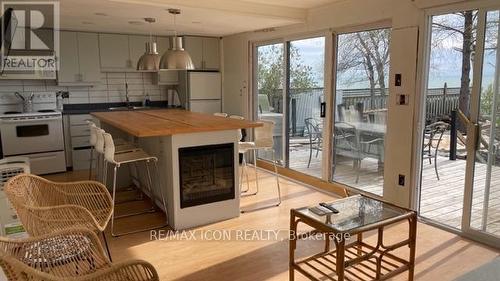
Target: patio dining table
373, 130
364, 127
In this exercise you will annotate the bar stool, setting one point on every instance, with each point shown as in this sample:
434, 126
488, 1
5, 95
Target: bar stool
263, 140
93, 142
220, 114
242, 150
130, 157
99, 148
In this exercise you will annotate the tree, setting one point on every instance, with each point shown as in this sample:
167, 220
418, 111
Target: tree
369, 51
271, 72
460, 27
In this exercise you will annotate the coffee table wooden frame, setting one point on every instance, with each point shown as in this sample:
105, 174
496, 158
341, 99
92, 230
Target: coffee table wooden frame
364, 261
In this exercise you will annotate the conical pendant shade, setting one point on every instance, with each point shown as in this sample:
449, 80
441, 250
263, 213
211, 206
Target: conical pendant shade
176, 58
150, 60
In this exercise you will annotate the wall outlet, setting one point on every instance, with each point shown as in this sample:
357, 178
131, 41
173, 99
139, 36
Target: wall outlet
401, 180
402, 99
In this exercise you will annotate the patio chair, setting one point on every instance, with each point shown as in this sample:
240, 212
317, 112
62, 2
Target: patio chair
44, 206
349, 143
71, 254
433, 133
313, 128
264, 105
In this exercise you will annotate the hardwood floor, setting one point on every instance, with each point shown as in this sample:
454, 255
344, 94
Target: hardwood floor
440, 255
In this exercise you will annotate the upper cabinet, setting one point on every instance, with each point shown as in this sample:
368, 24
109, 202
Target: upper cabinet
162, 45
114, 52
137, 47
78, 59
204, 51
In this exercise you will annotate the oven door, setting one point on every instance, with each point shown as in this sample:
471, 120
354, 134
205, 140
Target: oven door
23, 136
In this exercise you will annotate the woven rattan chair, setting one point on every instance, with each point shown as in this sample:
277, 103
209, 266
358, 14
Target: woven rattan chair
71, 254
44, 206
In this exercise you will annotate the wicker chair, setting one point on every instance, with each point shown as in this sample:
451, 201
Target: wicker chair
44, 206
71, 254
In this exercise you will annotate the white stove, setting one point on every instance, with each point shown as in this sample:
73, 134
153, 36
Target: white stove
37, 135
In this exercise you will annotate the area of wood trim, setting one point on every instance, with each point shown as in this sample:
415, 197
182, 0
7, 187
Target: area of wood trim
307, 179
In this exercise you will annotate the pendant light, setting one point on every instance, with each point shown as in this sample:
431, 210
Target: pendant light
176, 58
150, 60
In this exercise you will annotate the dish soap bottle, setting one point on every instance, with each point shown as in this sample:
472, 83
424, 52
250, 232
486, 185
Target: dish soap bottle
146, 101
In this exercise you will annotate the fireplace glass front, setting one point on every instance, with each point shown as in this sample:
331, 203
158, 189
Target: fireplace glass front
206, 174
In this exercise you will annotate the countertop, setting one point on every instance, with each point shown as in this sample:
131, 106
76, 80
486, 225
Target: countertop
70, 109
166, 122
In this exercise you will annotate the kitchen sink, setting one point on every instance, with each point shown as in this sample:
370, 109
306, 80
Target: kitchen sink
127, 108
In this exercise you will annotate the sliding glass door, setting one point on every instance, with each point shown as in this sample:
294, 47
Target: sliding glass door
460, 186
360, 109
447, 97
269, 84
306, 97
485, 202
290, 92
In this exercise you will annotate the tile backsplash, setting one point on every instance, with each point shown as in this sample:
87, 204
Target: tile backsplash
111, 88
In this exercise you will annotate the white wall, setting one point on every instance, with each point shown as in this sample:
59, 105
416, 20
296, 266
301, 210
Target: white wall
341, 17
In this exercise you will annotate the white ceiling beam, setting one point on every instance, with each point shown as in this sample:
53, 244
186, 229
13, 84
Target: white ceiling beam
296, 15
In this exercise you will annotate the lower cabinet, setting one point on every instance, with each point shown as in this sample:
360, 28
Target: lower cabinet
79, 144
81, 159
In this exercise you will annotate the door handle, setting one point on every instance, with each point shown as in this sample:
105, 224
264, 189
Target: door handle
323, 110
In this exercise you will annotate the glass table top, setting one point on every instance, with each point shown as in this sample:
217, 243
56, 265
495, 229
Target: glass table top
355, 212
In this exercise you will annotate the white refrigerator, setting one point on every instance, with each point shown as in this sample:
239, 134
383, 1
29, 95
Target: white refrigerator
200, 91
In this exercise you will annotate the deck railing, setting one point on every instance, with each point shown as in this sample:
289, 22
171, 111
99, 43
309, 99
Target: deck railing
305, 103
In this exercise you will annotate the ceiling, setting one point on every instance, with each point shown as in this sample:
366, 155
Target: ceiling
199, 17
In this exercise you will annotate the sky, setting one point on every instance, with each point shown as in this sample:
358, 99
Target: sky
445, 62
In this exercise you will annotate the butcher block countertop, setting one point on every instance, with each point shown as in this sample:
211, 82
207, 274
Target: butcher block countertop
166, 122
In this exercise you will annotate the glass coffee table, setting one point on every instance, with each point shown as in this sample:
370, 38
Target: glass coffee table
356, 260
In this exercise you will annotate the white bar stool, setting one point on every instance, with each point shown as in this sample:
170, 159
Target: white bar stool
93, 143
263, 140
99, 148
242, 149
130, 157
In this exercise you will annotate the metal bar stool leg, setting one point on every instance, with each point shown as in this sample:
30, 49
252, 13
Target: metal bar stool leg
113, 200
277, 184
161, 190
256, 172
244, 171
91, 158
153, 209
107, 246
277, 177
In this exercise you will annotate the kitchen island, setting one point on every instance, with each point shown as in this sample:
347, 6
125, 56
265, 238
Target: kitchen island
197, 160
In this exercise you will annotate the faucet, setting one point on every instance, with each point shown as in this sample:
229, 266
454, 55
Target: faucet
127, 99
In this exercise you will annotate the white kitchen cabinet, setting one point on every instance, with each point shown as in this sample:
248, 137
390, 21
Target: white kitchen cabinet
79, 59
88, 57
211, 55
80, 141
137, 47
206, 106
162, 45
114, 52
68, 58
166, 77
204, 51
194, 46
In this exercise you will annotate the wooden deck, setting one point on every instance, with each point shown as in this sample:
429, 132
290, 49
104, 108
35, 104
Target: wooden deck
441, 200
371, 175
